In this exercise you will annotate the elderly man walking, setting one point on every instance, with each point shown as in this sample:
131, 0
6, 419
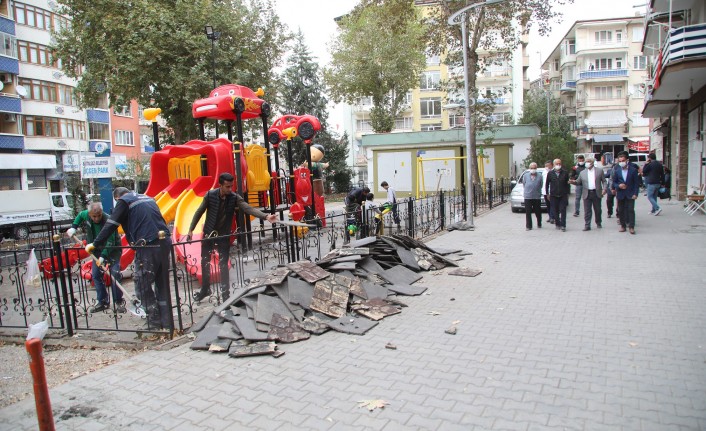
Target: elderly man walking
593, 187
558, 189
533, 195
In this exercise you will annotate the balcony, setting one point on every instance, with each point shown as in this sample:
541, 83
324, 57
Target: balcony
602, 74
604, 45
678, 71
568, 86
603, 102
497, 100
10, 103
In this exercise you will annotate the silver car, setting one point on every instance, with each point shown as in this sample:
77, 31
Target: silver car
517, 198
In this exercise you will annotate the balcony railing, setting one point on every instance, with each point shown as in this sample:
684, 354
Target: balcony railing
497, 100
608, 44
683, 42
568, 86
606, 73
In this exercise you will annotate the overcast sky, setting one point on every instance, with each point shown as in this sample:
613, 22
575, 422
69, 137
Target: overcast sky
315, 18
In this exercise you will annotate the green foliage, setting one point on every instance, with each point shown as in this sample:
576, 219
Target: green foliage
136, 171
379, 53
156, 51
338, 174
555, 143
489, 29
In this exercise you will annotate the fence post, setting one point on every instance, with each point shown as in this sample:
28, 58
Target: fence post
176, 291
410, 217
465, 202
62, 282
164, 242
442, 209
502, 189
490, 194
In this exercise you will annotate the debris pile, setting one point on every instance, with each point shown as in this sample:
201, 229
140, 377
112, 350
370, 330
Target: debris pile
349, 290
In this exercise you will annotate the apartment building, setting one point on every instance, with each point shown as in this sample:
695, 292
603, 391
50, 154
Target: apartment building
428, 108
675, 100
39, 115
598, 72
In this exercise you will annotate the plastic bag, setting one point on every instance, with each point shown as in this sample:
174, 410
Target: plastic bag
39, 329
33, 277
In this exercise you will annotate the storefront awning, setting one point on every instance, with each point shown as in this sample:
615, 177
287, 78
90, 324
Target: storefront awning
607, 138
27, 161
613, 118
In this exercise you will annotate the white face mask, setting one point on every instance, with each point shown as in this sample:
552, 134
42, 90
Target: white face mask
533, 171
622, 164
581, 163
589, 165
557, 167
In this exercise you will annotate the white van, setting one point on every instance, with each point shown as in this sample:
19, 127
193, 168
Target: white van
639, 158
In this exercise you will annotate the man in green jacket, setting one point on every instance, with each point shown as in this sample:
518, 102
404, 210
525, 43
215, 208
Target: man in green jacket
92, 221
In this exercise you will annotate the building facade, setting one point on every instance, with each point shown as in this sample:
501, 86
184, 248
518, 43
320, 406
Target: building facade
598, 71
429, 108
675, 100
39, 114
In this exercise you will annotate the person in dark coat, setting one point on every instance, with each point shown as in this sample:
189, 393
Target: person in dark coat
558, 189
626, 183
220, 207
142, 222
653, 176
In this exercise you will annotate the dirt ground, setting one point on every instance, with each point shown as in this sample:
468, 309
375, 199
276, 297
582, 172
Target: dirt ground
62, 364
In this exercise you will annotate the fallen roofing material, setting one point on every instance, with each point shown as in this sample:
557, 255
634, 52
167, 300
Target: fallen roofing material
349, 290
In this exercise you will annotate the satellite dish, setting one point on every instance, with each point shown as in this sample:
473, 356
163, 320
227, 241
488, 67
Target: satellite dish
2, 86
21, 91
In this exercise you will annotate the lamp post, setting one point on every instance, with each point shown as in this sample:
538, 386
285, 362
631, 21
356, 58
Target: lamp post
459, 17
213, 36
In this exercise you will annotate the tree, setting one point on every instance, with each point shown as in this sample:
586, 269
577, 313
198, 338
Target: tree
379, 53
156, 51
553, 143
301, 92
136, 171
495, 29
338, 174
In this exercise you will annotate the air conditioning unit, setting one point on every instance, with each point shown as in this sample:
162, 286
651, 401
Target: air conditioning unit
10, 118
6, 78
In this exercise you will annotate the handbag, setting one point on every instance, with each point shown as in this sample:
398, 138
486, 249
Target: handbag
664, 193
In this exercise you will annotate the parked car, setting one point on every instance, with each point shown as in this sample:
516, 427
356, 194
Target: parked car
517, 198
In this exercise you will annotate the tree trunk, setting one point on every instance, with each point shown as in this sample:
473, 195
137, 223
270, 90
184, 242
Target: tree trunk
472, 70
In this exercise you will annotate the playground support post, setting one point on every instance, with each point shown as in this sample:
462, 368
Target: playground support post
41, 390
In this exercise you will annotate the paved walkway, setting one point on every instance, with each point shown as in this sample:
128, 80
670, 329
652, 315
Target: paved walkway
594, 330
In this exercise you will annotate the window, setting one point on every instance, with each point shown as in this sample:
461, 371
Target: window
638, 33
124, 137
35, 53
556, 65
430, 127
639, 62
604, 63
430, 81
638, 121
36, 179
572, 47
618, 36
431, 107
456, 120
404, 123
618, 63
433, 60
46, 91
618, 92
603, 37
98, 131
122, 111
365, 101
9, 45
603, 92
363, 126
53, 127
33, 16
638, 91
10, 179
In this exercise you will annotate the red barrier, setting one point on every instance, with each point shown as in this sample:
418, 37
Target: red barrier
41, 390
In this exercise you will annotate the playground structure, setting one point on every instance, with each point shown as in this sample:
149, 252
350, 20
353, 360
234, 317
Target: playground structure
180, 175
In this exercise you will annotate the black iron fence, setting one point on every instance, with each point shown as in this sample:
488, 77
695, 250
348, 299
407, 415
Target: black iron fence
64, 295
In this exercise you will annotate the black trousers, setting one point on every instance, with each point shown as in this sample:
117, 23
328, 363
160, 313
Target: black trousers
610, 202
592, 204
548, 200
559, 204
626, 212
222, 246
152, 266
533, 207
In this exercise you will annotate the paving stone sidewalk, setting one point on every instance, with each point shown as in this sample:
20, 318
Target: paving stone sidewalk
595, 330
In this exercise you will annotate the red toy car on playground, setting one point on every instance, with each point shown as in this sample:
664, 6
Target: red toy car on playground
306, 127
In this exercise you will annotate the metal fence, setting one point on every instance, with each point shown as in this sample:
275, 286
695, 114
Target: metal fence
64, 295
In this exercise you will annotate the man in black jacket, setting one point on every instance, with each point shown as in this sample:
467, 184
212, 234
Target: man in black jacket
653, 176
576, 171
220, 206
558, 189
355, 199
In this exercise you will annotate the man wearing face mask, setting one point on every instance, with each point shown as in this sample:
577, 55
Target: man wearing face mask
626, 183
593, 185
532, 194
548, 168
576, 171
558, 189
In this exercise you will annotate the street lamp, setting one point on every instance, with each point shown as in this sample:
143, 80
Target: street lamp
213, 36
460, 18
